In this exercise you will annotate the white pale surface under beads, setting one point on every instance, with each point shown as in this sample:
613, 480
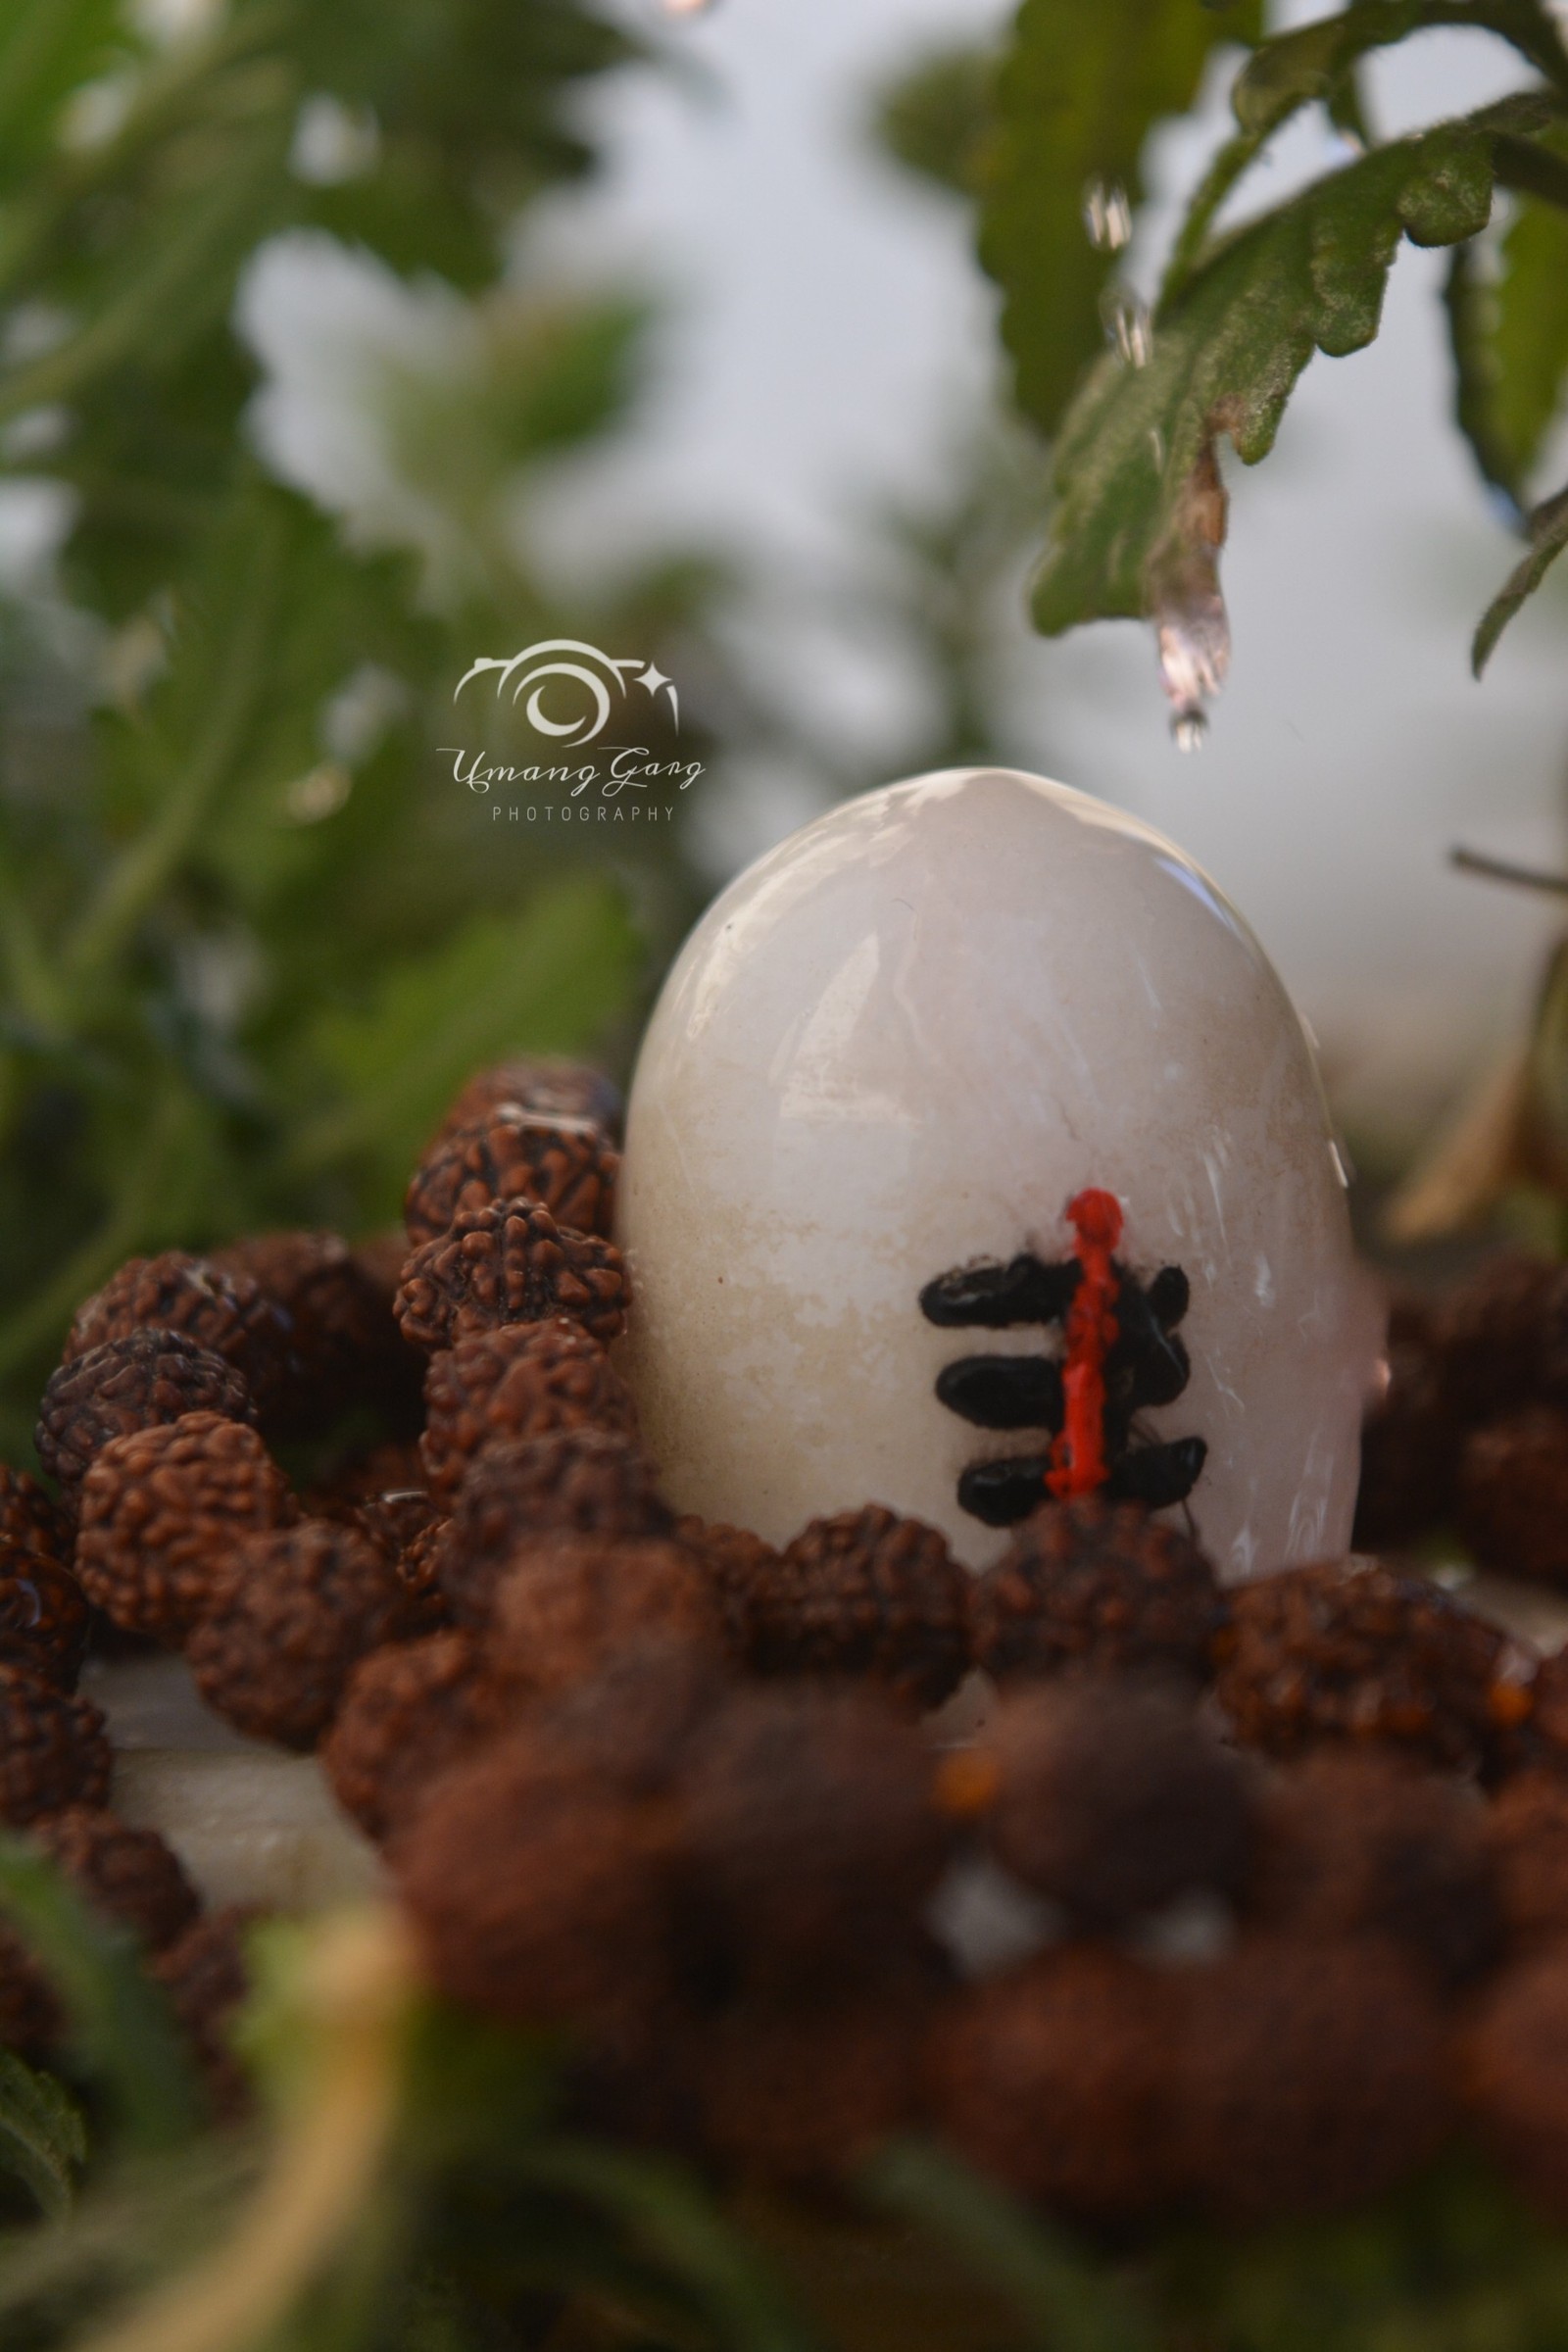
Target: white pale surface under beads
251, 1823
903, 1039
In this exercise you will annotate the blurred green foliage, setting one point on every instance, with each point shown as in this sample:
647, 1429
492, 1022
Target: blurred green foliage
937, 118
476, 2223
252, 932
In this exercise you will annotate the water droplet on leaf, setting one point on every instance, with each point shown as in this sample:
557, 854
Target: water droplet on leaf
1195, 652
1107, 214
1129, 328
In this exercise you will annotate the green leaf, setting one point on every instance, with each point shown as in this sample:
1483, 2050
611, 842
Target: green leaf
123, 2030
218, 119
43, 2136
668, 2215
475, 2087
1141, 517
549, 376
1319, 63
1072, 2301
1079, 89
1452, 2262
135, 2223
937, 120
1295, 69
229, 713
1549, 536
271, 619
545, 980
1510, 339
474, 102
48, 48
1299, 67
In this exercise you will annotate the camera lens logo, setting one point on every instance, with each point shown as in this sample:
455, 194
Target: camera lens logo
566, 669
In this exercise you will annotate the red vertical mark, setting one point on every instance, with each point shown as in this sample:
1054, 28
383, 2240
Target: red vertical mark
1078, 1453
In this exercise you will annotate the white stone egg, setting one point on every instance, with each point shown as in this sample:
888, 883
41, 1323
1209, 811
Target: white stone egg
901, 1044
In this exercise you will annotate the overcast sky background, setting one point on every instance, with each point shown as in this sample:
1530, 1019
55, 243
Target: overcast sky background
830, 336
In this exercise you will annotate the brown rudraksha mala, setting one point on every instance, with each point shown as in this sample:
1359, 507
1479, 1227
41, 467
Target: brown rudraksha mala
1096, 1584
144, 1380
524, 1380
565, 1165
509, 1264
1281, 1872
162, 1512
864, 1594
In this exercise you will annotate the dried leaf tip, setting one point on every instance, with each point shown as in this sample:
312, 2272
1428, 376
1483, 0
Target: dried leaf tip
1192, 625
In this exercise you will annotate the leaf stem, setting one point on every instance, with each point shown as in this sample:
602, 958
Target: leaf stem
121, 325
121, 2025
1547, 525
1067, 2300
1215, 185
50, 1310
353, 2001
1530, 168
1503, 869
32, 984
1521, 164
1523, 24
141, 872
166, 86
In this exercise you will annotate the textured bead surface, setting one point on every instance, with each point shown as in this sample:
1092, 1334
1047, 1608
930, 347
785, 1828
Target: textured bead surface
863, 1592
129, 1875
224, 1311
146, 1381
565, 1165
1308, 2076
1093, 1583
509, 1264
274, 1649
1350, 1650
524, 1381
31, 1519
407, 1711
53, 1751
1353, 1841
582, 1482
163, 1513
538, 1083
43, 1615
569, 1607
1113, 1799
1054, 2081
1513, 1494
339, 1325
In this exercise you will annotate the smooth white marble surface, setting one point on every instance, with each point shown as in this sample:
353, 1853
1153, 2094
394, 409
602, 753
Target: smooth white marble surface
903, 1039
